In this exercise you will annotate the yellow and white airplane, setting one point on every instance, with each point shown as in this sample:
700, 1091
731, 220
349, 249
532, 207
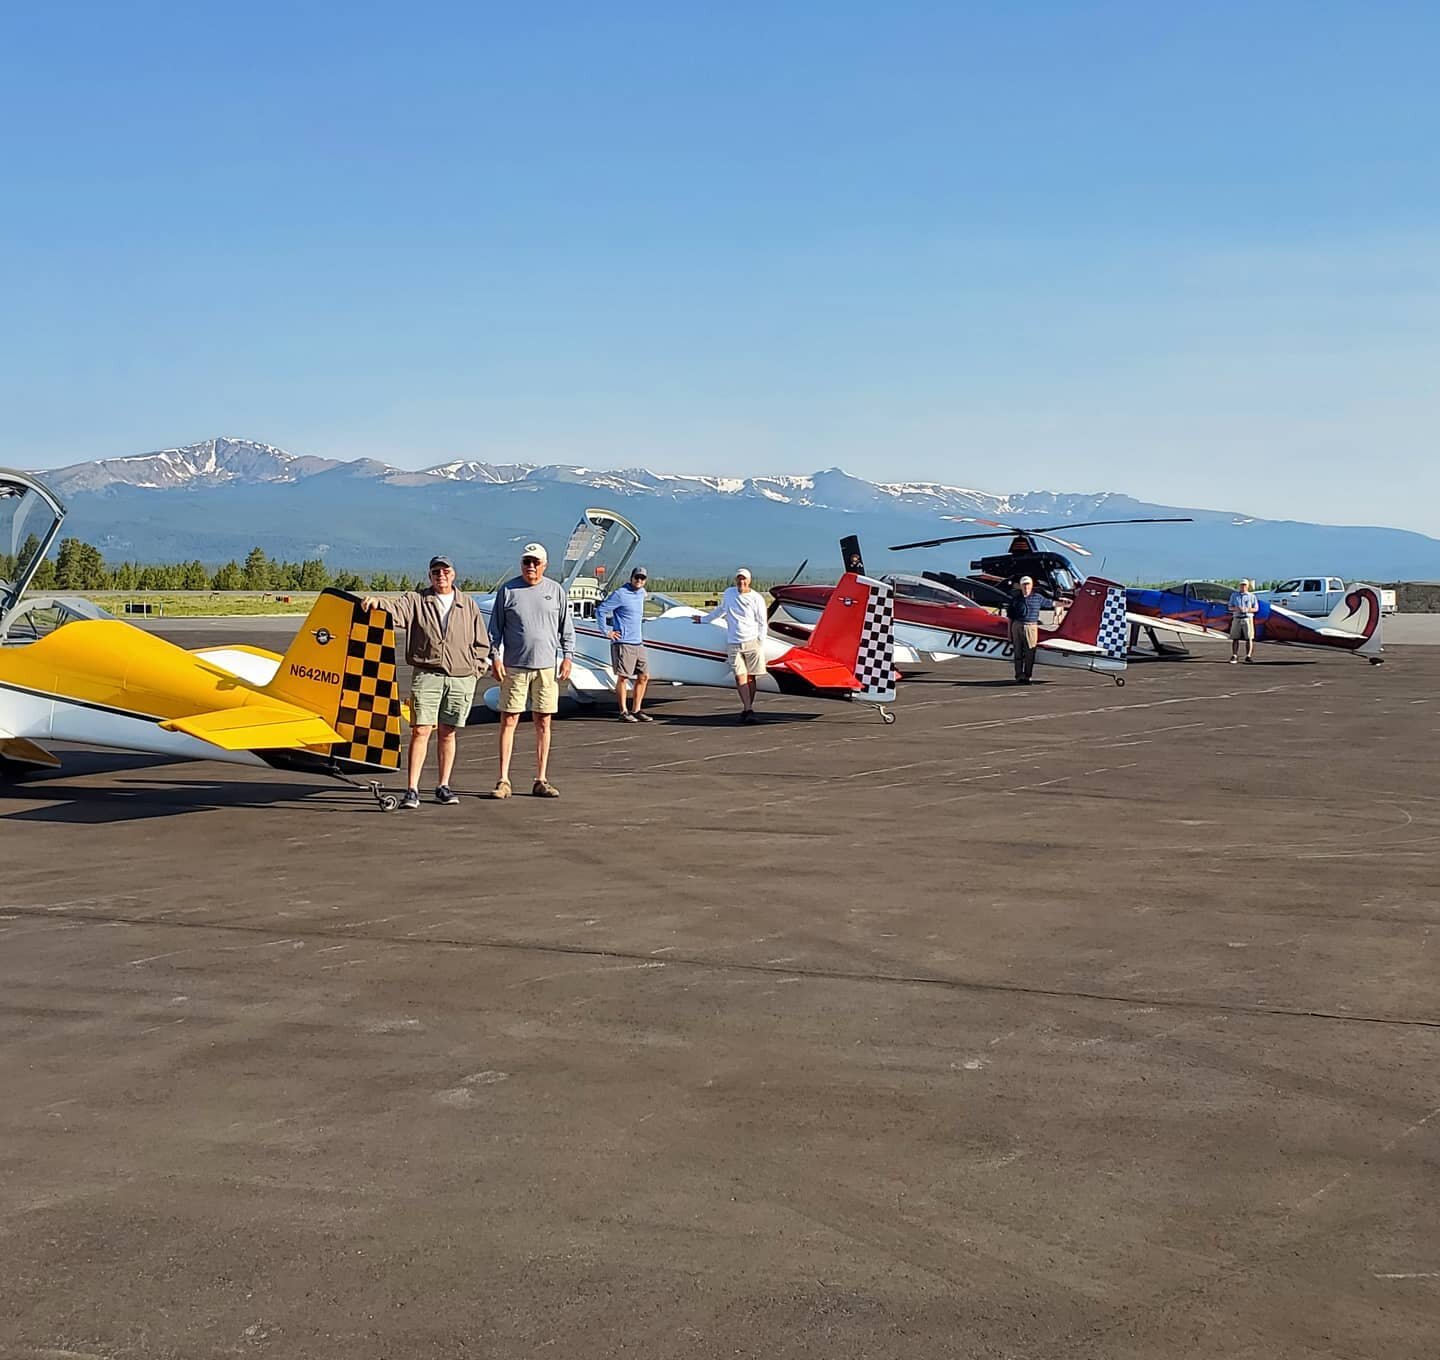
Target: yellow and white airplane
68, 672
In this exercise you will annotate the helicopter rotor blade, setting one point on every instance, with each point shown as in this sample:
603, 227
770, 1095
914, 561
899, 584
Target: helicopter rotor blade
1014, 530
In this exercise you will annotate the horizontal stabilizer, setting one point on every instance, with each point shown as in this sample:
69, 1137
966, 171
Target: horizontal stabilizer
24, 752
254, 727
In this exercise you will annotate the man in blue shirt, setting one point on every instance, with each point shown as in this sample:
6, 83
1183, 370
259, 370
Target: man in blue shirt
1023, 610
1244, 605
622, 616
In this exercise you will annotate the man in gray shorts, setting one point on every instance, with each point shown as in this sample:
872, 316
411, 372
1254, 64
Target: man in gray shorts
445, 649
530, 631
622, 616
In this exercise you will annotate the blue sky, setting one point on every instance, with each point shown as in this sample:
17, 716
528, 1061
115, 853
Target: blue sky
1186, 252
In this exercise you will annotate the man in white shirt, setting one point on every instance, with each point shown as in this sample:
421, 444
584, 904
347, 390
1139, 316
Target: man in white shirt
1244, 605
747, 626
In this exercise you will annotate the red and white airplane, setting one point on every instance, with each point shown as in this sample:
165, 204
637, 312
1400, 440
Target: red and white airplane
940, 622
849, 655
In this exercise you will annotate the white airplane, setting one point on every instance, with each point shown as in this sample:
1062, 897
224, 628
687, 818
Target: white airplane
849, 655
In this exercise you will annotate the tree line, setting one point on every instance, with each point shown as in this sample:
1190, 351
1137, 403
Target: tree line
80, 566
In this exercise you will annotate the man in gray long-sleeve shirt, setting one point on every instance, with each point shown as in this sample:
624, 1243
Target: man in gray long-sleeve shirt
530, 630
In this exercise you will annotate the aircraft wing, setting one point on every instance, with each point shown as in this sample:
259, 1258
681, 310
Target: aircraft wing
1170, 625
589, 681
257, 727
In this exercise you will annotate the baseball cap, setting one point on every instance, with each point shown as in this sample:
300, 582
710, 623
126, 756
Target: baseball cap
639, 571
1027, 580
745, 572
535, 550
440, 560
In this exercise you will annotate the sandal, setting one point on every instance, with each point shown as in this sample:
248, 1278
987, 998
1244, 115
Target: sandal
544, 789
501, 789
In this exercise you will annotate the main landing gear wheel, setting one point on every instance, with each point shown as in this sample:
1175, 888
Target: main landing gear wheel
388, 801
1119, 682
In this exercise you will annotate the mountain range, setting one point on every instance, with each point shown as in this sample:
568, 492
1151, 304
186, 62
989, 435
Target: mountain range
218, 498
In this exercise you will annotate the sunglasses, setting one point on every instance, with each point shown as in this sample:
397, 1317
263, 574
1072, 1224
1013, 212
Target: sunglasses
530, 561
639, 576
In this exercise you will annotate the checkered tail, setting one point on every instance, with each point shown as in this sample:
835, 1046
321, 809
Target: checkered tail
875, 657
369, 714
1114, 634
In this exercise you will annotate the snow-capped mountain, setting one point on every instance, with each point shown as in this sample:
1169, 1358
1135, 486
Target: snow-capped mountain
225, 460
218, 498
211, 462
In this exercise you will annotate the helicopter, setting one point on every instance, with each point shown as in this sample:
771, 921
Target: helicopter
992, 578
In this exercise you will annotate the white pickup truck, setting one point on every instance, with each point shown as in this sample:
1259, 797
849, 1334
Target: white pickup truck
1316, 596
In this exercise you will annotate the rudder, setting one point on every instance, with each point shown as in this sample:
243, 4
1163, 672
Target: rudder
341, 666
860, 639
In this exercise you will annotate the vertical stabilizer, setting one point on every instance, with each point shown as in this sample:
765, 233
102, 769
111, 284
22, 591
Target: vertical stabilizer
341, 666
857, 630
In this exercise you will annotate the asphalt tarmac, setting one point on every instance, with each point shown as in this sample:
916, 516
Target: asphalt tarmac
1057, 1022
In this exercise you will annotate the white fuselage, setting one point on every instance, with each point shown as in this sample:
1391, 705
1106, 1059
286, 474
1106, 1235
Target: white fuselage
677, 650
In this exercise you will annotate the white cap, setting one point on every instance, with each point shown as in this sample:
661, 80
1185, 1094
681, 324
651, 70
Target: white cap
745, 572
1026, 581
535, 550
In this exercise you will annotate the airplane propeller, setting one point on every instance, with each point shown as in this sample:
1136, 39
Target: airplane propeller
998, 530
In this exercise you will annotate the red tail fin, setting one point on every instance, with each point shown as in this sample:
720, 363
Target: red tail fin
1097, 617
853, 645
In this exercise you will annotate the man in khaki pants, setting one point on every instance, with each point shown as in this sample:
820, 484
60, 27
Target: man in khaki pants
1023, 611
445, 648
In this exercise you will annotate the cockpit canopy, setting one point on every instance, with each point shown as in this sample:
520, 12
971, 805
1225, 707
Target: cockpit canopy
599, 550
919, 590
30, 519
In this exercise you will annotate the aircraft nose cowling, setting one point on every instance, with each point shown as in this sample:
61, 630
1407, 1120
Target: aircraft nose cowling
491, 698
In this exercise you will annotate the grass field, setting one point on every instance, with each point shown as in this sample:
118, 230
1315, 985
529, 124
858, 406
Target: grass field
183, 604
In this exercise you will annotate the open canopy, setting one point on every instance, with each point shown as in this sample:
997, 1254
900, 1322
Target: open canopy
599, 550
30, 518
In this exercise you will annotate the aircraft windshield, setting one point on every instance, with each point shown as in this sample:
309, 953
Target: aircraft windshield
918, 590
30, 517
596, 557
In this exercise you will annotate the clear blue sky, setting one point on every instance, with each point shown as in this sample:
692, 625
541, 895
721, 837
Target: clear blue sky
1190, 252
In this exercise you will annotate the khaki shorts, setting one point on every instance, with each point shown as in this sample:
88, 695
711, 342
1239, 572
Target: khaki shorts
539, 691
747, 659
1242, 628
441, 698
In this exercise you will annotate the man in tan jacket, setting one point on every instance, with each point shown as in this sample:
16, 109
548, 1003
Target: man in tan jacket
445, 647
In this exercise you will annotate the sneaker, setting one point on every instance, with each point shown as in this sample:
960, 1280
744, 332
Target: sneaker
544, 789
410, 800
642, 717
628, 717
501, 789
747, 715
1234, 660
1249, 660
445, 794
